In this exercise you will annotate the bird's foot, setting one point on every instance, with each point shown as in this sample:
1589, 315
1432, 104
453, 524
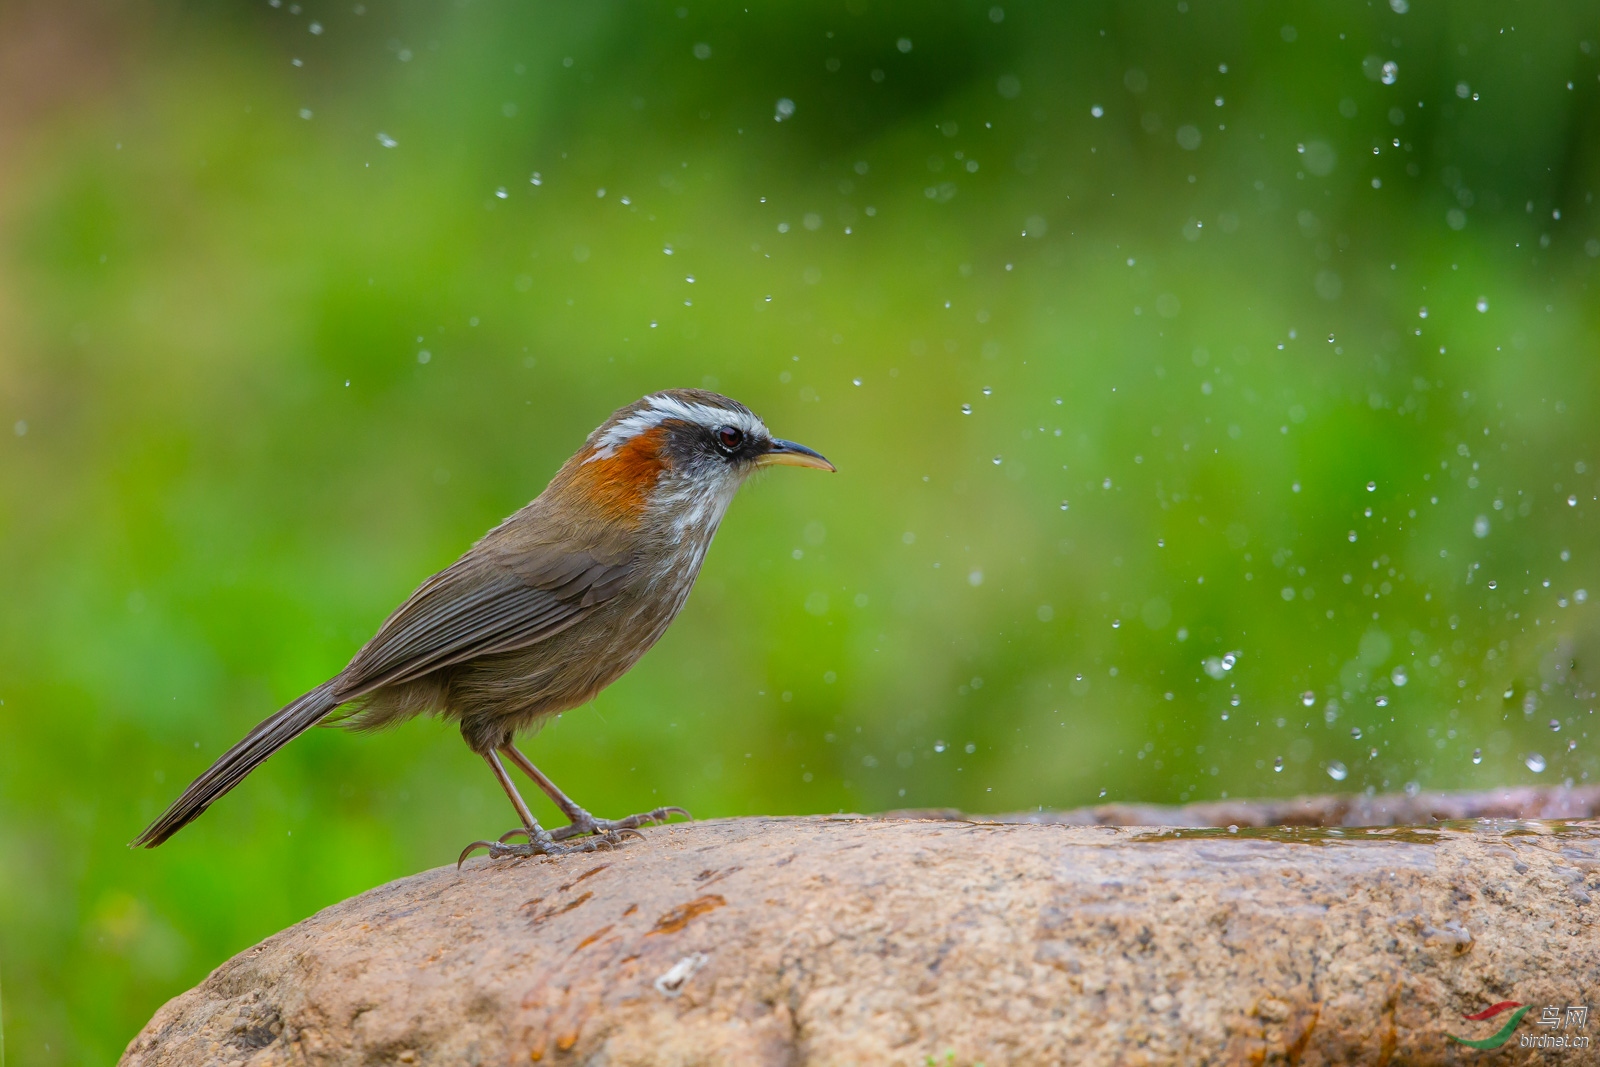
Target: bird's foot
586, 824
542, 843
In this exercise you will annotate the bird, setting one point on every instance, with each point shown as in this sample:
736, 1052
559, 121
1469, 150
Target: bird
543, 612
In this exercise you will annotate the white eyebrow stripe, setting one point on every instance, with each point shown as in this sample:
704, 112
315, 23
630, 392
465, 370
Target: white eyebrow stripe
663, 407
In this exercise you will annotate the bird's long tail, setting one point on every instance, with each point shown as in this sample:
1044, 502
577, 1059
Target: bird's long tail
271, 734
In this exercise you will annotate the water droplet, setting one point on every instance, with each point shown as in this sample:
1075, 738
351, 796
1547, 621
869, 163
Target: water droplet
1372, 753
387, 141
1063, 505
1277, 765
1234, 701
1381, 701
1480, 526
939, 746
1106, 484
997, 461
1337, 771
971, 748
1535, 763
1116, 624
1477, 755
1355, 732
1351, 535
1102, 792
1398, 676
1493, 584
1572, 501
855, 381
987, 391
1483, 303
1224, 716
1372, 487
1555, 726
966, 409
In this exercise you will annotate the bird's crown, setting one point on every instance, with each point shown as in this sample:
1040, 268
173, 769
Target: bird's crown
700, 407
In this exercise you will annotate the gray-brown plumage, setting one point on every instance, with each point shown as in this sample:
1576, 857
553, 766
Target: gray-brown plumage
549, 608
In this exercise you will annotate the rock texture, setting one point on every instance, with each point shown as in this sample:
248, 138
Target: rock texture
1330, 809
850, 940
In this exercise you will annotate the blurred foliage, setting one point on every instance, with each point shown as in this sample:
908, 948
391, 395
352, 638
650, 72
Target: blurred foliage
1213, 393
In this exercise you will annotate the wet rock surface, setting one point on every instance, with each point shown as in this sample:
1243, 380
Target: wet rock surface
845, 940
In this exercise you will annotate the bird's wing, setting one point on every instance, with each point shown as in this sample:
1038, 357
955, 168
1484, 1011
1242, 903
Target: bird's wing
479, 606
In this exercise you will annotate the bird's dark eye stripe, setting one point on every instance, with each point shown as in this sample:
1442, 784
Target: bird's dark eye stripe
730, 437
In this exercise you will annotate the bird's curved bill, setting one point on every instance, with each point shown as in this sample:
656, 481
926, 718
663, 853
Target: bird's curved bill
789, 454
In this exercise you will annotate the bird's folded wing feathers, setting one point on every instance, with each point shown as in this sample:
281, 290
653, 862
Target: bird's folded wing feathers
479, 606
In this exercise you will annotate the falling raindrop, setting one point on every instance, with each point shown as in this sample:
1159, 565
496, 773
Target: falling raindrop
1337, 771
1308, 698
1535, 763
1477, 755
1277, 765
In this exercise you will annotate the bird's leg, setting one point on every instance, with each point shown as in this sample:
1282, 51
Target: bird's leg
540, 841
582, 822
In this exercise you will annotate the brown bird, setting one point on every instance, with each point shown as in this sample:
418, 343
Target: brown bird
549, 608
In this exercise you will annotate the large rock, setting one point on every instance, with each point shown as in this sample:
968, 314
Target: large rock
849, 940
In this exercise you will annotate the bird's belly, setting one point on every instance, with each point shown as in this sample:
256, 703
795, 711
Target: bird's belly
513, 690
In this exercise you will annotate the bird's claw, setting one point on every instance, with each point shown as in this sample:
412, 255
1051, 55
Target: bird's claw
592, 834
470, 849
590, 825
499, 849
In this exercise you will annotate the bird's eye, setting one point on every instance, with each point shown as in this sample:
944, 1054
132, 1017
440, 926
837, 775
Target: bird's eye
730, 437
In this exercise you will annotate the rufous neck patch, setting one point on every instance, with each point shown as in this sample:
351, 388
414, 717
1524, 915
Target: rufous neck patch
619, 484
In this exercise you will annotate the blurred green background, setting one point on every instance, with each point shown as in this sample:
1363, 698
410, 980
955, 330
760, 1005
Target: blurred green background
1213, 390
